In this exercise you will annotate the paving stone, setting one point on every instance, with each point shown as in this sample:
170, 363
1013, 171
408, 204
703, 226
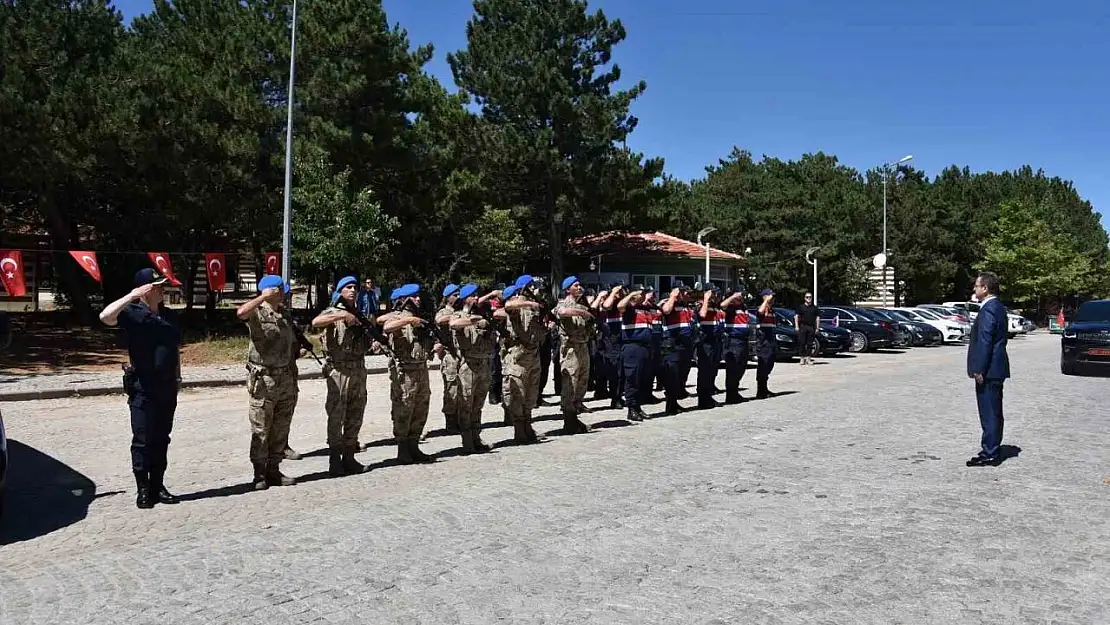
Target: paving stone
845, 501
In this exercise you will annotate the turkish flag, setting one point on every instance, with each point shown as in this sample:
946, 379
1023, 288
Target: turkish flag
216, 268
273, 263
11, 272
161, 262
87, 260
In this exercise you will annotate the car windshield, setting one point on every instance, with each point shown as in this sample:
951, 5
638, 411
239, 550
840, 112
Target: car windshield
874, 315
928, 314
1095, 311
899, 315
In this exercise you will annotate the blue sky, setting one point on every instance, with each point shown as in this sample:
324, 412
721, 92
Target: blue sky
991, 84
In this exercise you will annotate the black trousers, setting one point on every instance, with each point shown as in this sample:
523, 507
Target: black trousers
636, 364
736, 363
806, 335
545, 365
765, 352
151, 425
614, 369
708, 363
495, 372
676, 366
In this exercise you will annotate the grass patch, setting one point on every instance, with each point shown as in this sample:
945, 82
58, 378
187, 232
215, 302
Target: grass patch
225, 350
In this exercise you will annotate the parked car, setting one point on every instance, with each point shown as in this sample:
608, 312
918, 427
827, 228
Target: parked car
3, 462
1085, 342
953, 331
947, 312
920, 334
902, 336
786, 338
867, 332
1016, 323
830, 340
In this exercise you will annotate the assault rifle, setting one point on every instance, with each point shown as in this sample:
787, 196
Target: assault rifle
303, 341
371, 328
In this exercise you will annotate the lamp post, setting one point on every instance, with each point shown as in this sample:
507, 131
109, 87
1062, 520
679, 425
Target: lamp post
597, 267
886, 175
811, 259
702, 233
287, 226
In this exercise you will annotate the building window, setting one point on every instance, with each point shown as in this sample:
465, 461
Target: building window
652, 281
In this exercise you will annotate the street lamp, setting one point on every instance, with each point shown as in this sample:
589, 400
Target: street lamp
702, 233
811, 259
287, 234
881, 263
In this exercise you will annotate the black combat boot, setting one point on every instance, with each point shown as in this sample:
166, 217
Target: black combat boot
349, 465
274, 476
158, 489
734, 398
290, 454
573, 425
707, 403
762, 391
335, 463
451, 423
616, 403
479, 444
635, 414
143, 497
417, 455
673, 408
404, 452
260, 476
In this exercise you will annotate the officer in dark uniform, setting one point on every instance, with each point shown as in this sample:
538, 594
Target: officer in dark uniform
151, 380
710, 325
655, 364
678, 345
636, 320
613, 340
737, 333
765, 347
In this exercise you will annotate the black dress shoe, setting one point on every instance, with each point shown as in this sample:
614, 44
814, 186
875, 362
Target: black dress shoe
984, 461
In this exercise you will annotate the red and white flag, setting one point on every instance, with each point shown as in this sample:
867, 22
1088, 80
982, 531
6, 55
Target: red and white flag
161, 262
87, 260
216, 268
273, 263
11, 272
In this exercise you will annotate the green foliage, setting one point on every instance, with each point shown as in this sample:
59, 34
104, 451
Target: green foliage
857, 284
496, 245
333, 224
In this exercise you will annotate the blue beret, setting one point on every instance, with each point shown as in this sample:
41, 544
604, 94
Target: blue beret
510, 291
524, 281
344, 282
393, 295
568, 281
467, 290
450, 289
270, 281
766, 292
407, 290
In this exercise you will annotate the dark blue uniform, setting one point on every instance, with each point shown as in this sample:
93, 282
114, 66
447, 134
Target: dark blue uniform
765, 350
612, 341
709, 355
678, 350
636, 339
153, 343
737, 332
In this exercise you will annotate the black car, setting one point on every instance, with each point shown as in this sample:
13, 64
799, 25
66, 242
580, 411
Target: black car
3, 462
830, 339
868, 332
917, 334
1085, 343
786, 338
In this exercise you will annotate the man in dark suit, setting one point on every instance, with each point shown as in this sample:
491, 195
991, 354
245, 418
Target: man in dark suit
989, 365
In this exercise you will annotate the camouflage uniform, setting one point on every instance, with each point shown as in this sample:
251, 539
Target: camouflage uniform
449, 369
521, 368
410, 391
345, 348
574, 358
272, 386
475, 348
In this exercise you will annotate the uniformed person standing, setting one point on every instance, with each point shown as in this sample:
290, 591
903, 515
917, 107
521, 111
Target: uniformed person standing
495, 362
346, 343
449, 360
474, 337
602, 389
504, 342
614, 370
271, 379
737, 333
521, 361
152, 381
574, 323
636, 320
678, 345
710, 325
765, 348
412, 344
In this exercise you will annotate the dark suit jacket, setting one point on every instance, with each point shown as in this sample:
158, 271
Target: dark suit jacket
986, 352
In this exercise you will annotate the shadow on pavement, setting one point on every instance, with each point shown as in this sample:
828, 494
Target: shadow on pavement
1005, 452
42, 495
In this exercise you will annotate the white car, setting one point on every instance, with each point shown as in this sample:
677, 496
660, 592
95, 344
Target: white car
1016, 322
953, 331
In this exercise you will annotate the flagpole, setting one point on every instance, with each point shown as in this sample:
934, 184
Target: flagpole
286, 237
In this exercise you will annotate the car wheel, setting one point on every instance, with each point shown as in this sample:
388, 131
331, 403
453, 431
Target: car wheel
1067, 368
859, 342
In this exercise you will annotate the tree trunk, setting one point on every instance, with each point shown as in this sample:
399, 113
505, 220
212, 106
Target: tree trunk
69, 274
190, 283
556, 241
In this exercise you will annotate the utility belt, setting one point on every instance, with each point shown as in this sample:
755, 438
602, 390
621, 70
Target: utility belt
133, 384
352, 364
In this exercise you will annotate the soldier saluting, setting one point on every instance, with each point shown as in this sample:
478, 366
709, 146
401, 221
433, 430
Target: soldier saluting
271, 379
411, 343
575, 325
474, 337
346, 343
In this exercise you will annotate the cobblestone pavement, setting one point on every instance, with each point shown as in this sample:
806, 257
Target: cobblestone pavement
846, 501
